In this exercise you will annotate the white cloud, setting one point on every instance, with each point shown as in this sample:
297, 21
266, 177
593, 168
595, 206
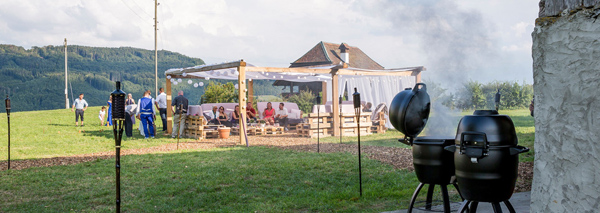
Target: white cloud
275, 33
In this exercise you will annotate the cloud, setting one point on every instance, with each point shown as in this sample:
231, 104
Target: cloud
450, 37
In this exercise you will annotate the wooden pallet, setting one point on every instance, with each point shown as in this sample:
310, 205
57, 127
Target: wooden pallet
354, 131
211, 133
195, 121
196, 134
313, 133
323, 120
273, 130
313, 126
380, 128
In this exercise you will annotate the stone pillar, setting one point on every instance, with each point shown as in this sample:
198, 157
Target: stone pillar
566, 71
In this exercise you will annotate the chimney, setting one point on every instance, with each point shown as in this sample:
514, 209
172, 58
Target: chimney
344, 53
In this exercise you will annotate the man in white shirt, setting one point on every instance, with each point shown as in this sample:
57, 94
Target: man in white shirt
80, 105
281, 116
161, 105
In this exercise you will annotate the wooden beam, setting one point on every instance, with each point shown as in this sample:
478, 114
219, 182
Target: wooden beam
251, 91
288, 70
324, 92
374, 73
242, 101
169, 108
335, 105
209, 68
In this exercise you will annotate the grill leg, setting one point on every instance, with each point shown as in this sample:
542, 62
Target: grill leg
429, 196
509, 206
414, 197
473, 207
497, 208
458, 190
464, 206
446, 198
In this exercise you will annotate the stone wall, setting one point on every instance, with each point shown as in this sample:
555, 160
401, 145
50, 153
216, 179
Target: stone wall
556, 7
566, 70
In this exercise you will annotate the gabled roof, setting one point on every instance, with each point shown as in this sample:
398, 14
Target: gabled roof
325, 53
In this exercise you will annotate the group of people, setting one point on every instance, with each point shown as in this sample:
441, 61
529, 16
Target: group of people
144, 111
218, 116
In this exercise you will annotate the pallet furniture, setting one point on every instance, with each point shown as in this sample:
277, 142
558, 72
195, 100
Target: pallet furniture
257, 130
379, 124
194, 127
348, 125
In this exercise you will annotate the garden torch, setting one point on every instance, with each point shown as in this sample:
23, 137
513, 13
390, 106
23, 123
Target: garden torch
356, 98
318, 100
7, 102
340, 106
118, 116
497, 100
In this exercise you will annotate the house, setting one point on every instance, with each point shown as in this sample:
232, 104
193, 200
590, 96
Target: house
327, 54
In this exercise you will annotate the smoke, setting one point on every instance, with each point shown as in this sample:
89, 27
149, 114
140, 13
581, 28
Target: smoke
456, 42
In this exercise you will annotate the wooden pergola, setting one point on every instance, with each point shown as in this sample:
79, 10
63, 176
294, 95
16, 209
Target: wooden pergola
246, 86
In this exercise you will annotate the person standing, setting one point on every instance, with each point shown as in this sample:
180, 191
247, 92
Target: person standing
109, 117
146, 114
179, 108
80, 105
281, 116
161, 105
128, 102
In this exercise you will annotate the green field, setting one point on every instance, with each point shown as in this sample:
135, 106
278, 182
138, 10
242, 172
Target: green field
235, 179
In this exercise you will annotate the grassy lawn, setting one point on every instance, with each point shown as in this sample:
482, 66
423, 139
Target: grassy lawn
220, 180
524, 127
52, 133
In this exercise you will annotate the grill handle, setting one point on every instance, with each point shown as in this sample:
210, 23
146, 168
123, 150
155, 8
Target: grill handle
451, 148
518, 150
407, 140
474, 152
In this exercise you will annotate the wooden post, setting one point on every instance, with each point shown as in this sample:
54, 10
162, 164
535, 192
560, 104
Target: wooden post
169, 109
335, 105
242, 99
324, 92
250, 91
417, 75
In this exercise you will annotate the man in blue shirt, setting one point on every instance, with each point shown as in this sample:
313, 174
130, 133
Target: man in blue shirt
80, 105
146, 114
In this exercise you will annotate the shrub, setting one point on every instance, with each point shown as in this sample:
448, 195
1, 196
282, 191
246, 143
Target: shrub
220, 93
305, 100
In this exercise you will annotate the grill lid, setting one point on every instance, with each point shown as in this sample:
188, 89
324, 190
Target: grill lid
409, 110
434, 140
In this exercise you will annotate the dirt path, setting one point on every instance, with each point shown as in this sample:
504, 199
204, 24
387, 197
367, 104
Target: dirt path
400, 158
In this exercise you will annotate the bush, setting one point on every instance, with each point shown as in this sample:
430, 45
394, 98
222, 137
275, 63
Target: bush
305, 100
220, 93
475, 95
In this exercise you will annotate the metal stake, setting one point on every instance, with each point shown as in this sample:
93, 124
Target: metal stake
179, 127
118, 124
8, 116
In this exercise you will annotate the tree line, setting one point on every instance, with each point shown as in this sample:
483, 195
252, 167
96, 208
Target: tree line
475, 95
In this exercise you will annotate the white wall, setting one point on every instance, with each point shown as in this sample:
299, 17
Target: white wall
566, 66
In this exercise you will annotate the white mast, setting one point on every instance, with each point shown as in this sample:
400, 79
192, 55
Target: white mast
155, 51
66, 79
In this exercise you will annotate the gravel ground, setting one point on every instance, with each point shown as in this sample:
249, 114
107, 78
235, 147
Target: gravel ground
400, 158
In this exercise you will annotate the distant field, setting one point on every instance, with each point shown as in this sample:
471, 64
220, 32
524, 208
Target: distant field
52, 133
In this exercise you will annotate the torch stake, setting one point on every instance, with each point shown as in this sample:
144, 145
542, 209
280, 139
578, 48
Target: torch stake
8, 116
118, 124
179, 127
359, 163
318, 128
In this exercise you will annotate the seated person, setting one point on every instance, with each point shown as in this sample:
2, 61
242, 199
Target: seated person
223, 118
250, 111
281, 116
367, 107
269, 114
213, 116
235, 116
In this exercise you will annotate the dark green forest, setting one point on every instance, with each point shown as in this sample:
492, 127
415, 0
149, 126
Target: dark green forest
34, 78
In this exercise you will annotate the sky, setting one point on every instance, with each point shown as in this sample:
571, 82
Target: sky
456, 40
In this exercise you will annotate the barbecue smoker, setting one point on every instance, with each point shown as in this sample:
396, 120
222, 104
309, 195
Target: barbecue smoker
486, 159
409, 113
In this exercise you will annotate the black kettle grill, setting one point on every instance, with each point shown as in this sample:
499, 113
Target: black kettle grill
409, 113
486, 159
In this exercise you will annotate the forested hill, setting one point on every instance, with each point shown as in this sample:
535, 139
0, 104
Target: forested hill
34, 78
